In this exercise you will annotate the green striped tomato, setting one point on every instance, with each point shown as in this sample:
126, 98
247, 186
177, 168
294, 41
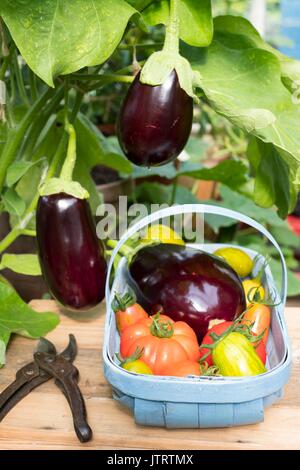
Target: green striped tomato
236, 357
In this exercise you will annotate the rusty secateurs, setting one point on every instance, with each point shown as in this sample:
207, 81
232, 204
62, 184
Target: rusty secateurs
47, 364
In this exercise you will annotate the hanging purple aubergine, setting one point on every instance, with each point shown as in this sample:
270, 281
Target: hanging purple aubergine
155, 121
71, 256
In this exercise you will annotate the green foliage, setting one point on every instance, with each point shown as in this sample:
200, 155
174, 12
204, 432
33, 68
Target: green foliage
17, 170
251, 239
243, 33
21, 264
246, 206
17, 317
140, 4
245, 86
13, 203
196, 25
247, 91
272, 182
59, 37
93, 148
223, 173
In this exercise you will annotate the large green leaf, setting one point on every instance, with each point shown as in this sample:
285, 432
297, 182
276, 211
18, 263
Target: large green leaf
223, 172
272, 181
248, 36
17, 317
196, 24
256, 243
286, 237
233, 200
4, 339
140, 4
245, 86
17, 170
22, 264
13, 203
57, 37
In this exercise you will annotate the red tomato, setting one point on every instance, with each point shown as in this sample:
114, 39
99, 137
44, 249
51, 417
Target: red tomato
127, 310
162, 341
260, 316
183, 368
218, 330
261, 351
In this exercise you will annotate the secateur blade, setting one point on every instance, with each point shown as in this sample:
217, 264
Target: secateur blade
45, 346
71, 350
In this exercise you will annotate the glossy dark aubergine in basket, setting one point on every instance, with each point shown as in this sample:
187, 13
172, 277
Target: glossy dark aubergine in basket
188, 284
155, 122
71, 256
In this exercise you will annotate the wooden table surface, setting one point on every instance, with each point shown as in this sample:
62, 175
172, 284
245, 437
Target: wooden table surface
42, 420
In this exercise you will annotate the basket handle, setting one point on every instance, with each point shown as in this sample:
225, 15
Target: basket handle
200, 209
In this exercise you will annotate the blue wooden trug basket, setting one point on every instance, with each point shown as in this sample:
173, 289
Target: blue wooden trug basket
199, 402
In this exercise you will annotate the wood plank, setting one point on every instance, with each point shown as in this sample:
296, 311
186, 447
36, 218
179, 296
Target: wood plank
42, 420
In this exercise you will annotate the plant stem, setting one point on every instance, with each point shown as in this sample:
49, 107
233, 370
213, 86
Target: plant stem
28, 232
69, 163
4, 66
128, 68
21, 226
3, 40
104, 78
57, 156
171, 43
19, 79
28, 214
174, 189
16, 136
39, 124
6, 62
33, 87
66, 95
156, 45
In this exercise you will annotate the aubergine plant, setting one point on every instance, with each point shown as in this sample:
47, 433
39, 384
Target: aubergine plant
55, 54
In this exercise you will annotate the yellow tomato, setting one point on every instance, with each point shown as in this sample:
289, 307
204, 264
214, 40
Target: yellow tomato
237, 259
163, 234
138, 366
251, 287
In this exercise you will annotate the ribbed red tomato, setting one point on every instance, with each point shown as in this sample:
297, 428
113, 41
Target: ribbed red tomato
163, 341
183, 368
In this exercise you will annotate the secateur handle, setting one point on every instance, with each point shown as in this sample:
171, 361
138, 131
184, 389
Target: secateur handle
66, 377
